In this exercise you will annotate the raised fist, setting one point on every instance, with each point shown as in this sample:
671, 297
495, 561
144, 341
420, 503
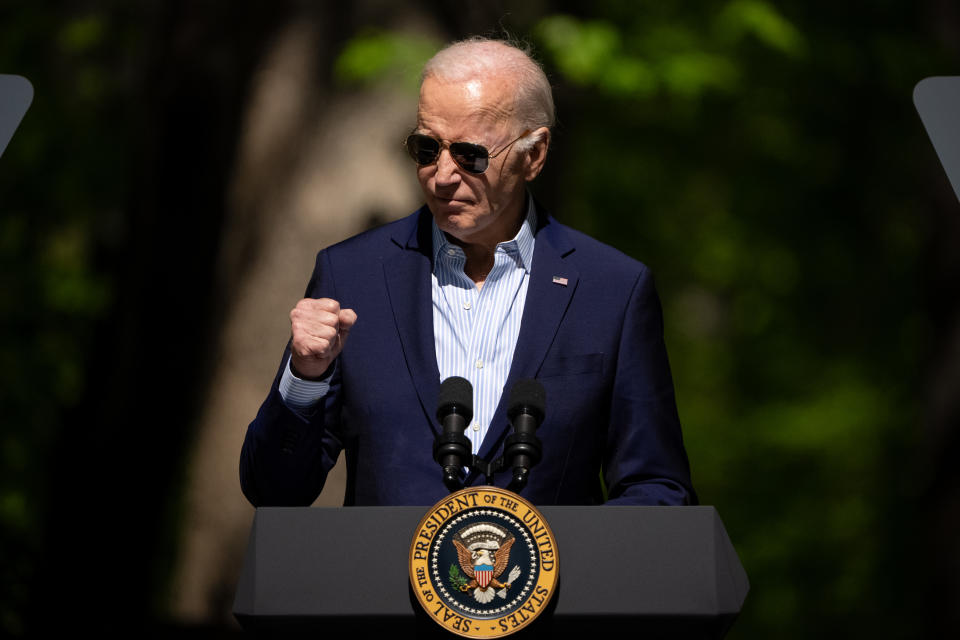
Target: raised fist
320, 329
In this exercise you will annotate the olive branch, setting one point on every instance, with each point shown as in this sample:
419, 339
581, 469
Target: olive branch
457, 579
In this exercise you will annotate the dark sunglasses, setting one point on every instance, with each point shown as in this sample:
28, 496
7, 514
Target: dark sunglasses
472, 158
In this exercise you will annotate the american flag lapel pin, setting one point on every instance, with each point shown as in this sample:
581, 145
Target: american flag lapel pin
560, 281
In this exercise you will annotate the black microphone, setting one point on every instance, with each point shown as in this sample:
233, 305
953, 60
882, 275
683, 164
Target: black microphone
527, 405
452, 449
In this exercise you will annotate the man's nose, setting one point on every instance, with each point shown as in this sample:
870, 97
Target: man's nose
447, 170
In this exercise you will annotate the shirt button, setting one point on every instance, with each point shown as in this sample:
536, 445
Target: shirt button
451, 252
466, 305
479, 364
476, 426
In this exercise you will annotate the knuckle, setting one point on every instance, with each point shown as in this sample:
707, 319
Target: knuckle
329, 304
329, 319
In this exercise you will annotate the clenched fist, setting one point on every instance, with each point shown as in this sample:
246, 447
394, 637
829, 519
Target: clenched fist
320, 328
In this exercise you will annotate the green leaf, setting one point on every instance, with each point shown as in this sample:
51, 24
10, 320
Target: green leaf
377, 55
582, 50
82, 34
761, 20
457, 579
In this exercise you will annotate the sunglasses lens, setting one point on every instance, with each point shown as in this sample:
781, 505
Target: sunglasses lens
471, 157
423, 149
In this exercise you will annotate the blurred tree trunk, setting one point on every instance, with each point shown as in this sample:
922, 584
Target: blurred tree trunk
314, 168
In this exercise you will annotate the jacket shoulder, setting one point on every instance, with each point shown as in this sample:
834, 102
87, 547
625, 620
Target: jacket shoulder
595, 257
378, 239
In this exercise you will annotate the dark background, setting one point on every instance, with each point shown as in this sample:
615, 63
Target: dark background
764, 158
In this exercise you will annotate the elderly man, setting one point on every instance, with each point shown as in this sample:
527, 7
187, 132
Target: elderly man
480, 283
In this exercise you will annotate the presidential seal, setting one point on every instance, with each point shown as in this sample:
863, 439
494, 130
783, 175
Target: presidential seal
483, 562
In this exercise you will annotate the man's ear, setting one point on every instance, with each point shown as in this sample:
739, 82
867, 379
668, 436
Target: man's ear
536, 156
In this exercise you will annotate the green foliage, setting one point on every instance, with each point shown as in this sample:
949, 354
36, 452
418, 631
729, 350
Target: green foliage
79, 36
457, 579
762, 20
593, 53
671, 54
590, 52
375, 55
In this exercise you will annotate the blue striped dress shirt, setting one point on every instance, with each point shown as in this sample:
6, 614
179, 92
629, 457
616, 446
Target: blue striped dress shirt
475, 330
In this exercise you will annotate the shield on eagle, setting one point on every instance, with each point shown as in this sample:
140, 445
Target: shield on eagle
484, 573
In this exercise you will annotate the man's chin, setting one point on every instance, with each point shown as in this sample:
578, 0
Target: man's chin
454, 224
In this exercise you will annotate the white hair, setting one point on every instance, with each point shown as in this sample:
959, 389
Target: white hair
484, 57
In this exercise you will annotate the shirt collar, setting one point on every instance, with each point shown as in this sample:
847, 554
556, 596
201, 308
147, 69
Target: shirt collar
522, 243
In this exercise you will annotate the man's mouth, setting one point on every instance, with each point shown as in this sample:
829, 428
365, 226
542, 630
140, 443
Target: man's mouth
452, 201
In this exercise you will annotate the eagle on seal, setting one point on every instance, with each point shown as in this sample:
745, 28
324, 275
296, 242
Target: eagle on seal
483, 551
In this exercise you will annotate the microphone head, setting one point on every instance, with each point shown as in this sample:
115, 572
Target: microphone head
527, 395
456, 396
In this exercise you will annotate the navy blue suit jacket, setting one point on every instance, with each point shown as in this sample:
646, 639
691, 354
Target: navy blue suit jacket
595, 343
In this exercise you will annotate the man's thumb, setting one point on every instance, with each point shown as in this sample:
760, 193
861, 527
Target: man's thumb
347, 319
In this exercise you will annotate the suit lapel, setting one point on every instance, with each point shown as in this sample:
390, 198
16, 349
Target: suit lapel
407, 276
546, 304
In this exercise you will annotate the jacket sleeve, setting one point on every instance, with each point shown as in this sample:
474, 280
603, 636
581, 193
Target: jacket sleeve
644, 459
286, 456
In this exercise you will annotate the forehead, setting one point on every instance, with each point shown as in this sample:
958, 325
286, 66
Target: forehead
470, 106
